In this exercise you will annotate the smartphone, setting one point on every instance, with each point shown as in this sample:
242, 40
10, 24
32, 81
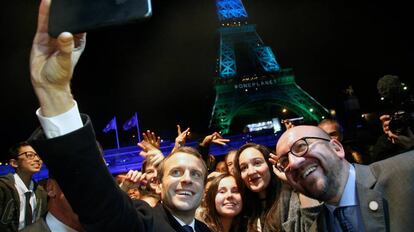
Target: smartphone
78, 16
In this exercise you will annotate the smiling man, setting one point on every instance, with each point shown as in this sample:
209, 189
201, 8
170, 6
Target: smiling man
183, 175
377, 197
22, 201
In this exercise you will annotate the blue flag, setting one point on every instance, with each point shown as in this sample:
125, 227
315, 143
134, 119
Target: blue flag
131, 122
111, 126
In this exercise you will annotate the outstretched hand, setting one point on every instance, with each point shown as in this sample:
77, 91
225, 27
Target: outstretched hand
150, 152
151, 138
132, 177
181, 138
52, 62
214, 138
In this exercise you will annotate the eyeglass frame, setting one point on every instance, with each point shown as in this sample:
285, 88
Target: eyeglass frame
31, 156
279, 166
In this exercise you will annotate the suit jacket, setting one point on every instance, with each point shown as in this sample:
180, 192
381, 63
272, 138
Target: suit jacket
76, 163
39, 226
386, 195
10, 203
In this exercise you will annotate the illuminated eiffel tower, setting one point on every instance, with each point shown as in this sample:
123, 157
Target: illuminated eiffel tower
250, 85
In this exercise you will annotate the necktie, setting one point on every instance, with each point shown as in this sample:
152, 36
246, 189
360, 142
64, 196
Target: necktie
343, 221
188, 228
28, 209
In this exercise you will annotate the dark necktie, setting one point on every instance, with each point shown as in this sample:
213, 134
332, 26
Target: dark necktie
188, 228
343, 221
28, 210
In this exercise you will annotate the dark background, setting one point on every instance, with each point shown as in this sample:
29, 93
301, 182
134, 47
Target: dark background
164, 68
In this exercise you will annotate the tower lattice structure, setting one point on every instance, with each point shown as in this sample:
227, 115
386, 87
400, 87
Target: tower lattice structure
250, 84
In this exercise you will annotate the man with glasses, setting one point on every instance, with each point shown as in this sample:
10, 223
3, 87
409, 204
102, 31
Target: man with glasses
22, 201
378, 197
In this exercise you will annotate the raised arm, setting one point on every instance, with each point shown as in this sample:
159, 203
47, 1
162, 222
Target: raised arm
52, 62
152, 138
181, 138
71, 154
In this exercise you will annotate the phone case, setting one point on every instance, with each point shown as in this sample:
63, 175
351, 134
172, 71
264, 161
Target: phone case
78, 16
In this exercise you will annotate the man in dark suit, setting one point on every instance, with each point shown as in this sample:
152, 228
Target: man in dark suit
378, 197
72, 155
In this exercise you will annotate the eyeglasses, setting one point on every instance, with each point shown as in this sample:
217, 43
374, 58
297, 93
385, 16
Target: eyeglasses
298, 149
30, 155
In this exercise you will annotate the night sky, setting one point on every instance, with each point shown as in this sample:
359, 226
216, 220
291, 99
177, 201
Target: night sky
164, 68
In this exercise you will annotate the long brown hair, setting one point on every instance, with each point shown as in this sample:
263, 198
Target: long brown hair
211, 216
269, 213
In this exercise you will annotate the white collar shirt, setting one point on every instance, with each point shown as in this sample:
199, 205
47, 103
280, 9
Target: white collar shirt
56, 225
21, 190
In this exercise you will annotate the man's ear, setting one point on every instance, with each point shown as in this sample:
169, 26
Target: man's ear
13, 163
338, 148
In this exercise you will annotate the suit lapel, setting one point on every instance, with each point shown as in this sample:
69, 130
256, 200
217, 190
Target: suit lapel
173, 223
371, 203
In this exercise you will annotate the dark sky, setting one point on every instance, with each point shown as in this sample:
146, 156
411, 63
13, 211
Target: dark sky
163, 68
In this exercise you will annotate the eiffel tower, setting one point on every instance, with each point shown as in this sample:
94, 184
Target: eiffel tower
250, 85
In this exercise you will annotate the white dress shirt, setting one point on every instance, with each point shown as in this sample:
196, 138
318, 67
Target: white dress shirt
61, 124
56, 225
21, 189
192, 224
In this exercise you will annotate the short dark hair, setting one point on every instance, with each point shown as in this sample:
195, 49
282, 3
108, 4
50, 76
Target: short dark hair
187, 150
14, 150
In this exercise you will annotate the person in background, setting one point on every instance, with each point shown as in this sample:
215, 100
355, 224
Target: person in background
397, 119
229, 158
335, 131
128, 186
221, 167
22, 201
332, 128
204, 147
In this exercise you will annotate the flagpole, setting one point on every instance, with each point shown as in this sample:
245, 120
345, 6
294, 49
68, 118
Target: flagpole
138, 131
116, 133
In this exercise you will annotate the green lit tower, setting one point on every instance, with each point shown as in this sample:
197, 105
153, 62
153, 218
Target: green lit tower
250, 85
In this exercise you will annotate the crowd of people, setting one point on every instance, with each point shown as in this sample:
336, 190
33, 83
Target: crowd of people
309, 182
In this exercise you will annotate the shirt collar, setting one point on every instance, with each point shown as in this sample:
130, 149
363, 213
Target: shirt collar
21, 187
348, 197
55, 225
183, 223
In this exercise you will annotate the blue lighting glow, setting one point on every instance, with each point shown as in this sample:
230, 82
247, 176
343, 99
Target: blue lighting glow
267, 59
227, 59
230, 9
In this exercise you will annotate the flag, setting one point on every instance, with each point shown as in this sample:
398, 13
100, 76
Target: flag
111, 125
131, 122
